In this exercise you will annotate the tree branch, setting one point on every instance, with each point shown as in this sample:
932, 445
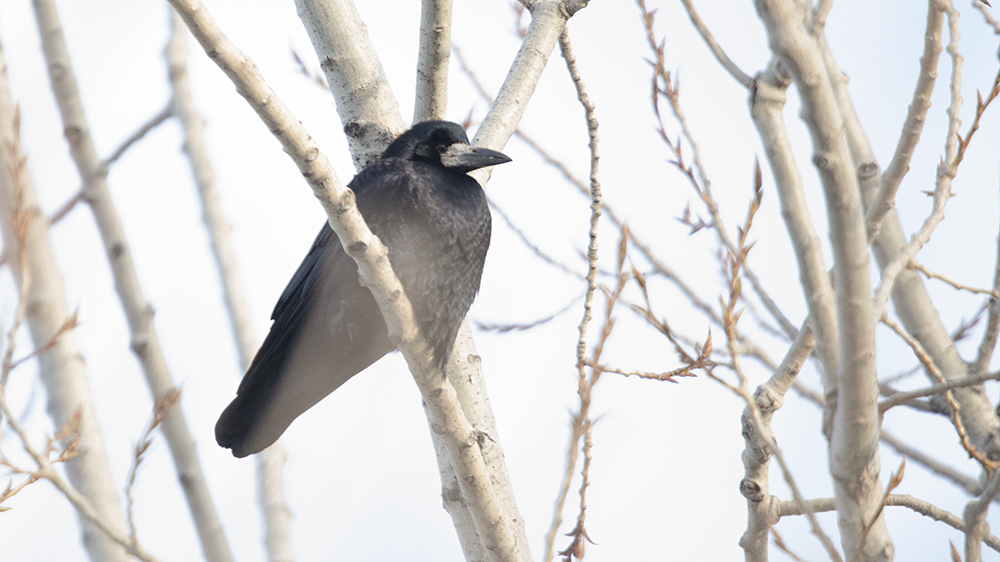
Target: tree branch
62, 369
138, 312
431, 98
914, 123
268, 464
854, 459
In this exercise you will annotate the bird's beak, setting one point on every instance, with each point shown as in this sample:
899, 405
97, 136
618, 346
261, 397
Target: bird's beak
464, 157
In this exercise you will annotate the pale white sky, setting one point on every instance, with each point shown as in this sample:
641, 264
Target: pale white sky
361, 475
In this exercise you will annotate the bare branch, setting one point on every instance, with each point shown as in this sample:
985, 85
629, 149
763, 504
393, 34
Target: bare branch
61, 368
854, 457
582, 423
136, 136
931, 275
160, 407
268, 464
664, 85
914, 123
920, 506
989, 339
894, 481
431, 97
371, 120
502, 328
138, 312
928, 362
903, 397
954, 151
767, 101
819, 14
987, 18
713, 45
976, 528
541, 254
79, 501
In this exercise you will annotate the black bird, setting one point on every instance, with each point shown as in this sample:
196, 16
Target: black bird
433, 217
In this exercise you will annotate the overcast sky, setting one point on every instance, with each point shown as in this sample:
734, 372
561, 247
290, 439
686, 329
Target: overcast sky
361, 475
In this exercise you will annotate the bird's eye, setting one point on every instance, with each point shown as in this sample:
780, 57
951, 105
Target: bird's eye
440, 148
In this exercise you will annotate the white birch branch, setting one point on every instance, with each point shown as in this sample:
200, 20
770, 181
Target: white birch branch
62, 369
767, 101
902, 500
269, 463
548, 18
367, 108
138, 312
976, 527
988, 342
431, 99
945, 173
854, 460
914, 123
909, 295
757, 451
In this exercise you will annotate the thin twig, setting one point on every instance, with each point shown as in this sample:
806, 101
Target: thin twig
606, 209
584, 425
160, 409
667, 377
894, 482
932, 369
509, 327
987, 17
955, 147
81, 503
903, 397
665, 86
539, 253
69, 432
745, 80
139, 133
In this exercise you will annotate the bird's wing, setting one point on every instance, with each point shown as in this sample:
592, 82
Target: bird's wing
326, 329
292, 306
306, 275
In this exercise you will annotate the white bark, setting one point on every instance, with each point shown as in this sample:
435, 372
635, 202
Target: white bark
431, 99
269, 463
854, 460
767, 101
914, 124
757, 452
465, 373
138, 312
367, 108
548, 18
909, 295
62, 368
976, 527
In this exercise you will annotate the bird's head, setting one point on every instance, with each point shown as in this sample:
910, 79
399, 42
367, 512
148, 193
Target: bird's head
443, 143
